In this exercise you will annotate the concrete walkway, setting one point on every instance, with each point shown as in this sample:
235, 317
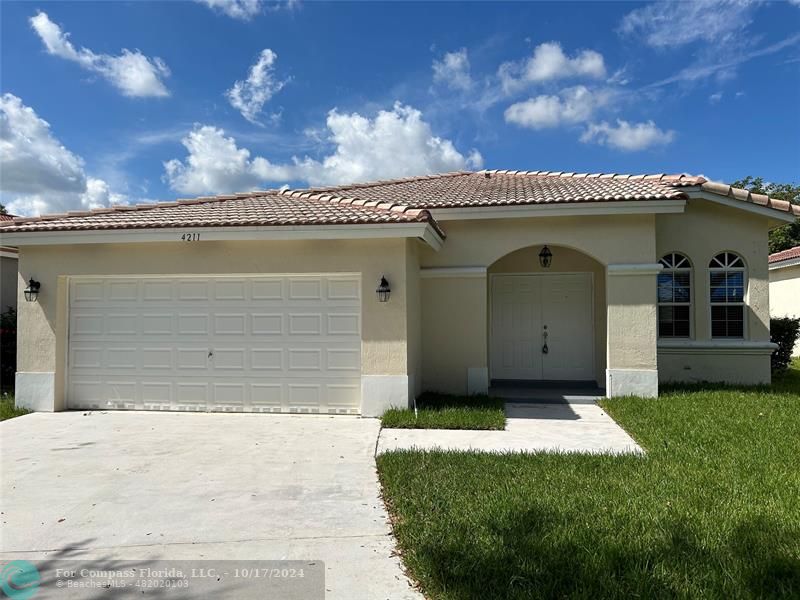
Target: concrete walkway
563, 423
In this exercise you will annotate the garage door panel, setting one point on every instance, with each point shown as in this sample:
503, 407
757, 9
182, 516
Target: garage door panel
305, 288
266, 397
268, 359
232, 289
254, 344
230, 324
344, 289
156, 395
305, 359
157, 358
157, 290
343, 324
122, 358
343, 360
86, 324
266, 324
192, 359
122, 324
229, 397
305, 324
193, 290
193, 324
229, 359
158, 324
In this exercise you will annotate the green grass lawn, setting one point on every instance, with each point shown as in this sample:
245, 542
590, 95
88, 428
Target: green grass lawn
439, 411
712, 510
7, 408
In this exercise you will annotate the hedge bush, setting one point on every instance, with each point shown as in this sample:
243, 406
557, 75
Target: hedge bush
8, 349
784, 332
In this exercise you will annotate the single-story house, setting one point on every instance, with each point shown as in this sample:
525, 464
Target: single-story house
354, 298
784, 286
8, 273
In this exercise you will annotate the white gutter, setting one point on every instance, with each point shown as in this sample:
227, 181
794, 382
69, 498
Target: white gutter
423, 231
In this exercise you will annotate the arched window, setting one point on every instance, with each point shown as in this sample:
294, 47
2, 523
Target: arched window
727, 279
675, 297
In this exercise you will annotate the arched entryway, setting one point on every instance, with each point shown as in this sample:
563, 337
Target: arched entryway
546, 323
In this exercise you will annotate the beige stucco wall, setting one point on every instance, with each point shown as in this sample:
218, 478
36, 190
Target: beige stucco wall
784, 294
455, 310
704, 230
414, 318
42, 325
632, 329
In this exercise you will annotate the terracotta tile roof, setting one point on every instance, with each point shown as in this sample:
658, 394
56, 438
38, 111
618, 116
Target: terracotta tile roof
785, 255
392, 201
506, 188
270, 208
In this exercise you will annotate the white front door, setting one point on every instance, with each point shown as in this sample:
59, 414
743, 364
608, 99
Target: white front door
273, 343
542, 327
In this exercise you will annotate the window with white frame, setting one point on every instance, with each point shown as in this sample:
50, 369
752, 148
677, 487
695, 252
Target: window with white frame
675, 296
728, 282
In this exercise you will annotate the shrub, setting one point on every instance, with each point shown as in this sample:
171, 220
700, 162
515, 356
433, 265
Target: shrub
8, 349
784, 332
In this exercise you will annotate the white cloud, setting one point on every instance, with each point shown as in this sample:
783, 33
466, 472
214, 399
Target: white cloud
133, 73
665, 24
396, 143
40, 175
217, 165
726, 65
243, 10
715, 98
573, 105
246, 10
627, 136
548, 63
250, 95
453, 70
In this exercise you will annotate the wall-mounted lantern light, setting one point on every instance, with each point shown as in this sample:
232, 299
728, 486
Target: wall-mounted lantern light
32, 291
383, 290
545, 257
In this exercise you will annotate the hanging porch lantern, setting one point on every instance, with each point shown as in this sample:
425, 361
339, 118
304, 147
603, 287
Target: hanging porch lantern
545, 257
32, 291
383, 290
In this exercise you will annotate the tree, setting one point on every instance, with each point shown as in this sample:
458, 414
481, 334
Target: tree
2, 210
784, 237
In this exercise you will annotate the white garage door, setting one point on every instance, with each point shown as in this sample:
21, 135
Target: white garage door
288, 343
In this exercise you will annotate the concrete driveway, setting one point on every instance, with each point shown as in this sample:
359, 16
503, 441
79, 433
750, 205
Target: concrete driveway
138, 485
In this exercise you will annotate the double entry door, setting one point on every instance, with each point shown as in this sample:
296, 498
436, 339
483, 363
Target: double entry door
542, 327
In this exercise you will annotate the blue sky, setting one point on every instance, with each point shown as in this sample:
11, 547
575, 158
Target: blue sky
107, 102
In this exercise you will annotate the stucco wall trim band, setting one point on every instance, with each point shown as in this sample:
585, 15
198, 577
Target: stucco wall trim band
635, 269
712, 347
463, 272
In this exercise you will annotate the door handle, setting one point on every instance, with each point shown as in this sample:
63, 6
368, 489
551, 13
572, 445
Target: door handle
545, 348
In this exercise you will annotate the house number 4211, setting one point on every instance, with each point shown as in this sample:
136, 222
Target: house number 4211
191, 237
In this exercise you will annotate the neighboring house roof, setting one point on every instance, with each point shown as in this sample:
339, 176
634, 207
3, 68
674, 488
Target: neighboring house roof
252, 209
7, 217
791, 253
394, 201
